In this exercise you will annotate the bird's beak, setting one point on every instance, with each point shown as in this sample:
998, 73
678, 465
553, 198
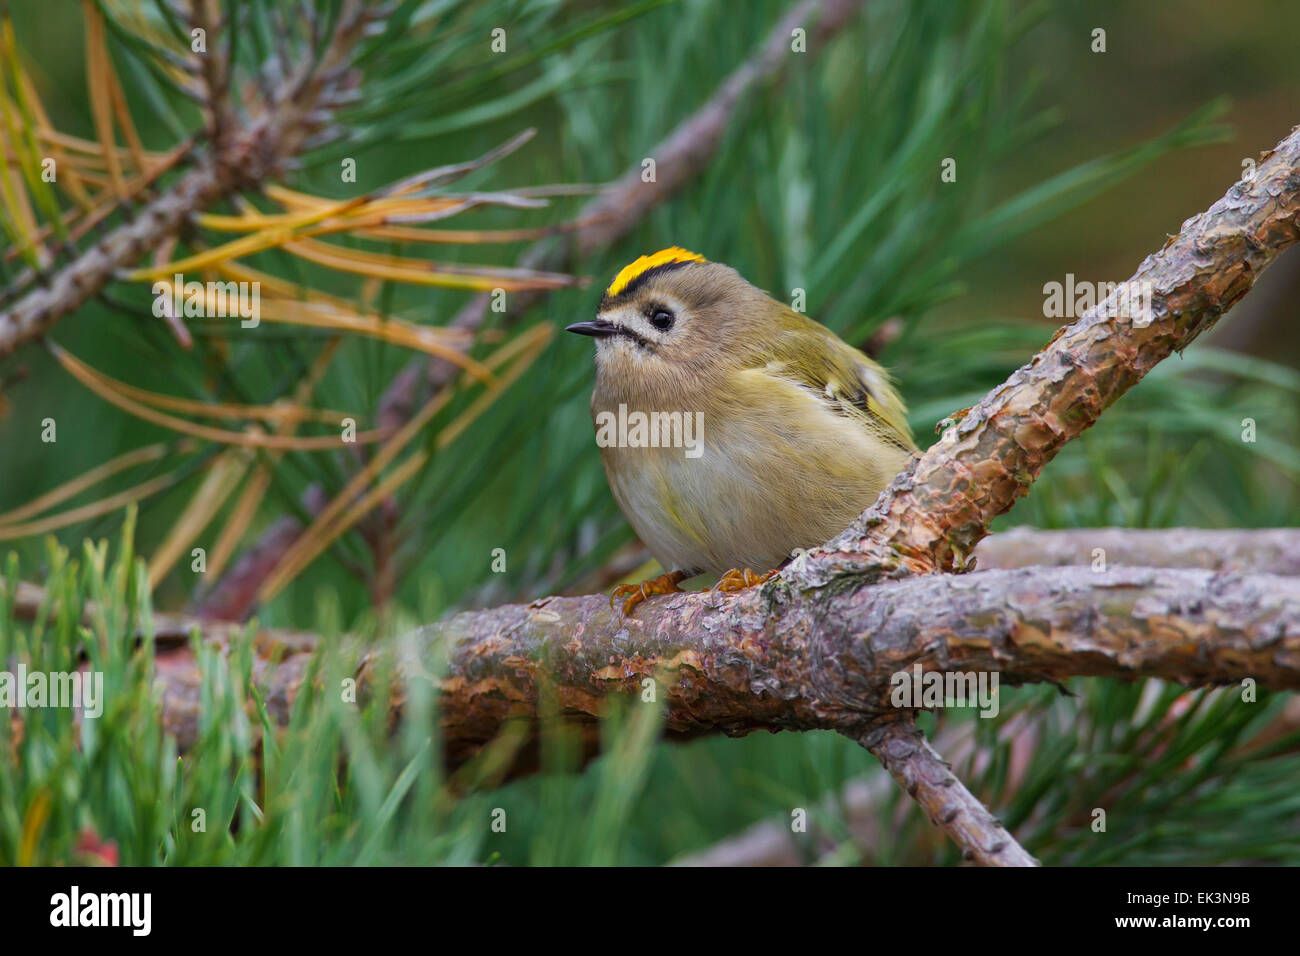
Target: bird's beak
599, 328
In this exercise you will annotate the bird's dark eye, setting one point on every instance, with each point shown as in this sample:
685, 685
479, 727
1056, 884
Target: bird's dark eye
662, 320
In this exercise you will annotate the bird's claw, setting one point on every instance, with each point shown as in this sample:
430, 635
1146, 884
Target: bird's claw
738, 580
636, 593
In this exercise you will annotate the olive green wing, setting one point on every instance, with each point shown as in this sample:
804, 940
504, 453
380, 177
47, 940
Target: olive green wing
845, 379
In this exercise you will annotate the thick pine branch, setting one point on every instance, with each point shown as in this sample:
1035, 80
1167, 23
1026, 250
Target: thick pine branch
824, 659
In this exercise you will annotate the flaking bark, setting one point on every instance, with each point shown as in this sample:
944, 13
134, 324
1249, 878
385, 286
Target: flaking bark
903, 750
824, 658
934, 514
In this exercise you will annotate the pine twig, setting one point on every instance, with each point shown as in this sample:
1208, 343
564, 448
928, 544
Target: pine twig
903, 750
1268, 550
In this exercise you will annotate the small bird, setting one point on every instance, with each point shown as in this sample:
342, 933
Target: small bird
733, 429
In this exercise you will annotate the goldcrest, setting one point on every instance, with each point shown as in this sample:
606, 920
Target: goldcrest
733, 429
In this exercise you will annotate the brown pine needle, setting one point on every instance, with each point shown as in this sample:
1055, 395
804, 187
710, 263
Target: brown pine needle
294, 237
308, 544
431, 340
209, 258
378, 211
253, 221
527, 344
294, 234
70, 489
284, 572
123, 114
284, 289
467, 237
92, 510
342, 512
99, 76
279, 412
95, 179
422, 271
255, 490
109, 389
241, 516
328, 313
93, 151
218, 484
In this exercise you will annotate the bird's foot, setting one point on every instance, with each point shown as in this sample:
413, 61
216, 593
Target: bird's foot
636, 593
739, 580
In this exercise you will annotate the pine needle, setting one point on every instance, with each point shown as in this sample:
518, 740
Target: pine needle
341, 513
112, 391
70, 489
99, 76
92, 510
223, 477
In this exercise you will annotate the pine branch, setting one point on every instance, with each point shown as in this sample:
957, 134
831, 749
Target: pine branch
862, 806
1270, 550
824, 658
274, 134
903, 750
933, 514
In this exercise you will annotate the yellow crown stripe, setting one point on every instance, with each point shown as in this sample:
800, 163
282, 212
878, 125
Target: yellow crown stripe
646, 263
